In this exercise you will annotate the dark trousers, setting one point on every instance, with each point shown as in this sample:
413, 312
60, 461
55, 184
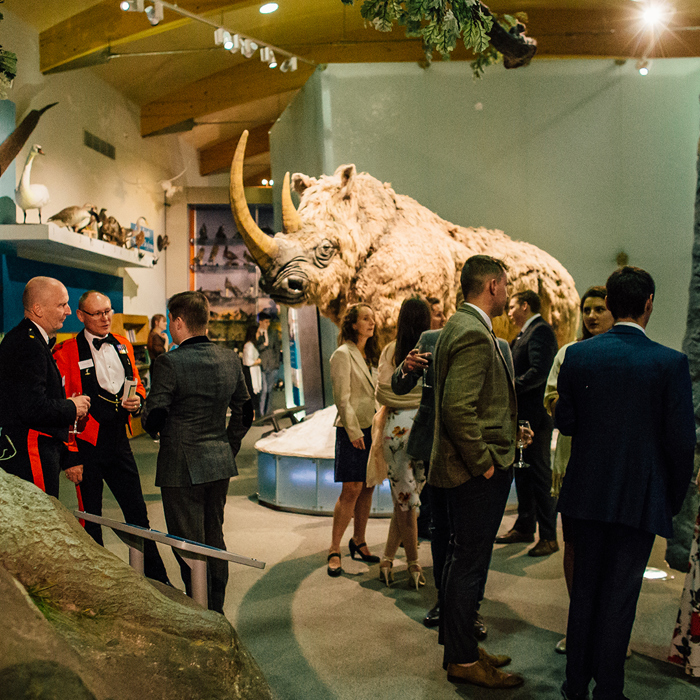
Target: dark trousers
269, 377
533, 485
608, 572
33, 457
112, 461
475, 510
197, 513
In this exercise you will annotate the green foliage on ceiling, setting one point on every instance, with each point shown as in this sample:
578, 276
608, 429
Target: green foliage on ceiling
440, 24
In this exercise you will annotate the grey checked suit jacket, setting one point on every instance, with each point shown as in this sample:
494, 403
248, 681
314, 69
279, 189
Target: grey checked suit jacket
195, 384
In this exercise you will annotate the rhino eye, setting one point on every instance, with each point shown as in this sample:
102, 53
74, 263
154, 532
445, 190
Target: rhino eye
324, 252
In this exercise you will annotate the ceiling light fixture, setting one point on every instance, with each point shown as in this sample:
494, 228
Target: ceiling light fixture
289, 65
652, 14
264, 182
643, 66
268, 8
132, 5
248, 48
267, 55
154, 12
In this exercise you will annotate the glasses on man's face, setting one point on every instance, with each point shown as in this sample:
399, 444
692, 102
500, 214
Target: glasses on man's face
99, 314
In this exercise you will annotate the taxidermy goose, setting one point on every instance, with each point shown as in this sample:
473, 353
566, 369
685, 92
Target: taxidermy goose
76, 218
30, 196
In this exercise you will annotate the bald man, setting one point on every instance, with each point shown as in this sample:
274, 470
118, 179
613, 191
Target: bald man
35, 415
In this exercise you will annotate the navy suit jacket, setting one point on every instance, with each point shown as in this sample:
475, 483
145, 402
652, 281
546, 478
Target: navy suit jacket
627, 403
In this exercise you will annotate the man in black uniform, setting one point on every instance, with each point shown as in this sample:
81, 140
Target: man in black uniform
98, 363
533, 354
35, 414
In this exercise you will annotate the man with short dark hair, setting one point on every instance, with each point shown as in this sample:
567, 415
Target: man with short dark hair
473, 449
627, 403
99, 364
35, 415
192, 387
533, 351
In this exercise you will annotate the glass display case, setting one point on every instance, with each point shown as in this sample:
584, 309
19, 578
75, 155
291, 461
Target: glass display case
223, 270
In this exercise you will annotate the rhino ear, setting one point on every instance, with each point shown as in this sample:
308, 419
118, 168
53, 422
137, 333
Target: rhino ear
347, 178
301, 182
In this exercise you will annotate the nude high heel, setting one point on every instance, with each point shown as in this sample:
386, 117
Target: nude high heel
416, 571
386, 572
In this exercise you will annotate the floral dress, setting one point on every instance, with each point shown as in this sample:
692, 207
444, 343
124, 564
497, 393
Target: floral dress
685, 647
406, 475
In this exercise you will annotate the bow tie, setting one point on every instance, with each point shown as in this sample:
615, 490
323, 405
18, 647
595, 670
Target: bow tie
99, 342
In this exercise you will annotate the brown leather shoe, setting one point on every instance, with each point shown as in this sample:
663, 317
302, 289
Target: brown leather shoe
495, 660
543, 548
513, 536
483, 674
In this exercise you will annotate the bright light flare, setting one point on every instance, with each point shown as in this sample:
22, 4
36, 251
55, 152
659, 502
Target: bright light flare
653, 14
268, 8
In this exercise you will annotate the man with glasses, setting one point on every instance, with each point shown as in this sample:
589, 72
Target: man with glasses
100, 365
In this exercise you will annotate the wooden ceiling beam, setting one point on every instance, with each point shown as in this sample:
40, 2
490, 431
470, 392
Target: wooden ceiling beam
70, 43
218, 157
246, 82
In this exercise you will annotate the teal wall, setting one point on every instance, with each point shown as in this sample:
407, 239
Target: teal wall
581, 158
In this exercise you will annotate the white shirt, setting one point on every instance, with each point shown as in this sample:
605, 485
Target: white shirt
44, 334
109, 369
529, 321
631, 324
484, 315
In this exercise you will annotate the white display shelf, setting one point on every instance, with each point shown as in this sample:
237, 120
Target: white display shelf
59, 245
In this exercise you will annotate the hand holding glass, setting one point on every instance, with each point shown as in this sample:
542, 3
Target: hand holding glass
522, 426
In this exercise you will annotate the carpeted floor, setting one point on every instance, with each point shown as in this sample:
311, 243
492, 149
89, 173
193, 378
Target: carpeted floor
352, 638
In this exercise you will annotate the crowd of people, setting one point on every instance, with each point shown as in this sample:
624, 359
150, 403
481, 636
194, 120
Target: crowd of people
446, 418
440, 413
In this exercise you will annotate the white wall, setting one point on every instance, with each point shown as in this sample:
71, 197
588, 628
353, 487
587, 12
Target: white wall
583, 158
127, 187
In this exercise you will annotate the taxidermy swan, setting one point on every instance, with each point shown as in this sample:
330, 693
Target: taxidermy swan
30, 196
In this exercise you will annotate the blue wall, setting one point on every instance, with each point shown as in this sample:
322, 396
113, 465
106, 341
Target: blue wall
16, 272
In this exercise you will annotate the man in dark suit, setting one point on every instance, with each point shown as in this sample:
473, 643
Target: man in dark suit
627, 402
533, 353
473, 450
98, 364
268, 344
192, 387
35, 415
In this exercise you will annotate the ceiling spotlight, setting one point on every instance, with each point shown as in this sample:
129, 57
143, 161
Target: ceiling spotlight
132, 5
268, 8
643, 66
235, 44
248, 47
223, 38
271, 182
267, 55
154, 12
289, 65
264, 182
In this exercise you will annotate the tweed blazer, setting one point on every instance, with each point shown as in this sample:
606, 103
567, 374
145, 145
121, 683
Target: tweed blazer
627, 403
353, 390
195, 384
475, 403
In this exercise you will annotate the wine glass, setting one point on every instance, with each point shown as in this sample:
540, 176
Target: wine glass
424, 350
522, 425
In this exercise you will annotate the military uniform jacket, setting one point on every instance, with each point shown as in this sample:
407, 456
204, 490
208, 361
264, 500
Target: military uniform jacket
76, 365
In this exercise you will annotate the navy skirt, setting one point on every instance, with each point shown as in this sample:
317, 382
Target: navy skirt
351, 463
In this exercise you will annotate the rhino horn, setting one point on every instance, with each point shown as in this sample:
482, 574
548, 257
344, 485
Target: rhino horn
263, 248
290, 216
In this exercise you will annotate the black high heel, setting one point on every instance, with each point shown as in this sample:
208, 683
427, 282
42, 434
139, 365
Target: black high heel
356, 549
334, 572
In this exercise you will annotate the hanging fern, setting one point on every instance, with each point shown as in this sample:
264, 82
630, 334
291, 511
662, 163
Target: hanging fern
441, 23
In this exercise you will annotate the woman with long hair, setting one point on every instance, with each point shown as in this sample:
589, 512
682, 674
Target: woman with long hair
597, 319
353, 392
157, 342
406, 475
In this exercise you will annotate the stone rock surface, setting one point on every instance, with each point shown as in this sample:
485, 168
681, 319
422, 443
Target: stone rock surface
67, 600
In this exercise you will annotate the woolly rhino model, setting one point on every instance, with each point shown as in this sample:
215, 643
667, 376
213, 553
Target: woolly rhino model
354, 239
